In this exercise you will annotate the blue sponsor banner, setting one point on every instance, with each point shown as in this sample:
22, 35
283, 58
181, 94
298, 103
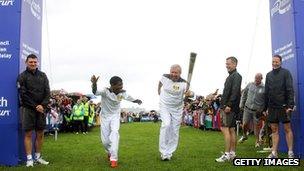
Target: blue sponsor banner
20, 35
9, 69
30, 43
285, 42
30, 36
299, 34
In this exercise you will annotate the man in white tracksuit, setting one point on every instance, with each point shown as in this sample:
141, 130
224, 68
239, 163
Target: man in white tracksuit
171, 90
110, 115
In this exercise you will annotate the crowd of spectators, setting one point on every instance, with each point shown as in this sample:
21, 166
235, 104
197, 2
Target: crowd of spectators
202, 112
60, 112
199, 112
127, 117
62, 109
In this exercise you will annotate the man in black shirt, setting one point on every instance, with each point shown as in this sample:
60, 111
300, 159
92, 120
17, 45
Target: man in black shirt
34, 92
279, 102
230, 101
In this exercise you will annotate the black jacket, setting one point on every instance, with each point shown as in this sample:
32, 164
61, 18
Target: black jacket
33, 89
232, 91
279, 91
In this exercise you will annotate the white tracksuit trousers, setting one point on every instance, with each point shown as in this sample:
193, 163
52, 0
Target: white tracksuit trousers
169, 130
109, 134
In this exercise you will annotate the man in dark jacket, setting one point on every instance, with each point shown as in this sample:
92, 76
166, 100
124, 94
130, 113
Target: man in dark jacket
230, 101
279, 102
34, 92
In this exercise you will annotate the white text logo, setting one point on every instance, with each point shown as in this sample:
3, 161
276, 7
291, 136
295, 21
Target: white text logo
281, 7
4, 52
5, 112
35, 8
6, 2
4, 104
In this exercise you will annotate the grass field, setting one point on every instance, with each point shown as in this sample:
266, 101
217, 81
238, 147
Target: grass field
138, 150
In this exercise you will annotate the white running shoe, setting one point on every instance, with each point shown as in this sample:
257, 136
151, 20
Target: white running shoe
165, 157
40, 160
257, 145
242, 139
223, 158
29, 163
231, 157
169, 156
272, 156
267, 149
291, 155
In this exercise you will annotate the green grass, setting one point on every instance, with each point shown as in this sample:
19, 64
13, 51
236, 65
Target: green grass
138, 150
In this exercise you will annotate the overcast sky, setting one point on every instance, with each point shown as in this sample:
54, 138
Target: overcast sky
139, 40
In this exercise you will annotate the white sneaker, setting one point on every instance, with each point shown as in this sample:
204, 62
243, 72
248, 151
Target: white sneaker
267, 149
169, 156
257, 145
29, 163
40, 160
291, 155
231, 157
242, 139
165, 157
272, 156
223, 158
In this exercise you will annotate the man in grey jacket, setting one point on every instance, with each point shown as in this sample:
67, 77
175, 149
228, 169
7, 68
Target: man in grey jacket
252, 105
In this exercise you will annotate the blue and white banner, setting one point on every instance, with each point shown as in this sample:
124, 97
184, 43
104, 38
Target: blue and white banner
30, 35
299, 38
287, 37
9, 69
30, 43
20, 35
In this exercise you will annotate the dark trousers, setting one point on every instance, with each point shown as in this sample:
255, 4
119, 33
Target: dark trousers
78, 126
86, 123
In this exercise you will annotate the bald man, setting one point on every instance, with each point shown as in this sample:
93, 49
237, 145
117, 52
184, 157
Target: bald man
171, 89
252, 103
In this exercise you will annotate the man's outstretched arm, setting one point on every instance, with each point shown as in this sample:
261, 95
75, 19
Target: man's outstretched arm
94, 80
